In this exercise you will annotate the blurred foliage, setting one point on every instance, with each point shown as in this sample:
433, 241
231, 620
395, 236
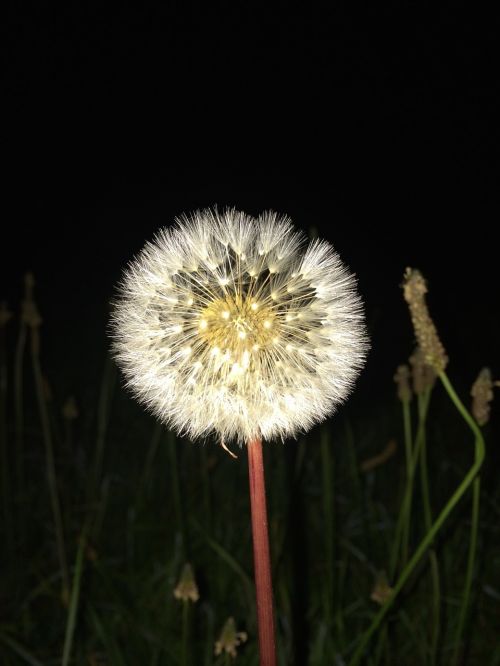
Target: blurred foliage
138, 503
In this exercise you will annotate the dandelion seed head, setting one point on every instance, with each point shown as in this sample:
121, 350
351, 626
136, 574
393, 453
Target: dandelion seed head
227, 324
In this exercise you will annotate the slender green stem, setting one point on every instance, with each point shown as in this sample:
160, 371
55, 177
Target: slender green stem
476, 492
402, 529
4, 447
405, 538
185, 633
176, 491
19, 408
404, 518
429, 537
436, 605
74, 600
50, 462
19, 650
207, 490
105, 396
328, 512
422, 414
476, 495
423, 402
354, 469
150, 458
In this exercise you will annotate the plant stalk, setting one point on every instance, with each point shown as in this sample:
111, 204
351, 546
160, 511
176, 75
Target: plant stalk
50, 463
262, 560
423, 403
328, 513
438, 523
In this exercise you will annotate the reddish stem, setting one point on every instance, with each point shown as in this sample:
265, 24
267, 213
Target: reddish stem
262, 561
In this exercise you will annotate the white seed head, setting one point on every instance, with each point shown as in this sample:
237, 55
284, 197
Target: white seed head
212, 339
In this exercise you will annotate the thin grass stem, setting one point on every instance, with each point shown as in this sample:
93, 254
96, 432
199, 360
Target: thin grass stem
19, 412
185, 633
429, 537
423, 404
4, 445
49, 461
476, 493
105, 396
176, 493
466, 594
74, 601
405, 537
328, 512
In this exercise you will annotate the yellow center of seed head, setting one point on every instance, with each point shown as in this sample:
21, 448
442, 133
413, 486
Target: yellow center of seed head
238, 326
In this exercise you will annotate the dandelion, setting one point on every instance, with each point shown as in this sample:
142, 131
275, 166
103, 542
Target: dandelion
229, 639
225, 324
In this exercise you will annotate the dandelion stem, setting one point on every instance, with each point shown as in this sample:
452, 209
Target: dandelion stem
429, 537
262, 561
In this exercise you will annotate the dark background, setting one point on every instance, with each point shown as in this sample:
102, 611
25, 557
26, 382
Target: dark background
376, 126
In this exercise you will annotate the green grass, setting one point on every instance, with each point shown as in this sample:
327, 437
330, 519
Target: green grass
138, 502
